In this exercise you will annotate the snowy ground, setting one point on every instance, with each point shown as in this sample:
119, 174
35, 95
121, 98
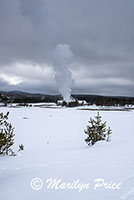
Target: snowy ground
55, 148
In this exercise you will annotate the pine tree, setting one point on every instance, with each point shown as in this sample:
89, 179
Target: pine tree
97, 131
6, 135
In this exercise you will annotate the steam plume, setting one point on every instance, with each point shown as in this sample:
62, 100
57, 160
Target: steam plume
62, 57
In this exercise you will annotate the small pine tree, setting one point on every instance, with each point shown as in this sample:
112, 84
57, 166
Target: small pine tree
6, 135
97, 131
21, 147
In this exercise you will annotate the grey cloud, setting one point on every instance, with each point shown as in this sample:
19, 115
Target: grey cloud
100, 33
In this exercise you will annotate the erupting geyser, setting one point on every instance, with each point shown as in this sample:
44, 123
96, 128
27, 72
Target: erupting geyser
62, 58
60, 55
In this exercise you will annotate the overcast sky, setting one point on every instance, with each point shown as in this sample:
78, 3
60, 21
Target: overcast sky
99, 32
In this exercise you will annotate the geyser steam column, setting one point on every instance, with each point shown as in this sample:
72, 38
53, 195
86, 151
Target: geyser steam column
47, 28
62, 58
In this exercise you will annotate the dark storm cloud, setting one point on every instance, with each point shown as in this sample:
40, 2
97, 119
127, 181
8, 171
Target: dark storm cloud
100, 33
25, 31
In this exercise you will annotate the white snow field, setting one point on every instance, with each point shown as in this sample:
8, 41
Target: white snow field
55, 148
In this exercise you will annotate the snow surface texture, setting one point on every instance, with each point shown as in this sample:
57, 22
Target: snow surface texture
55, 148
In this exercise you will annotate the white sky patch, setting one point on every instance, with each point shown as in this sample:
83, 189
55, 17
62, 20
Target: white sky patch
10, 79
33, 70
30, 71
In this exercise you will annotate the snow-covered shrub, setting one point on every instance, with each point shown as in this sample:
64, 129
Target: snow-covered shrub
96, 131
